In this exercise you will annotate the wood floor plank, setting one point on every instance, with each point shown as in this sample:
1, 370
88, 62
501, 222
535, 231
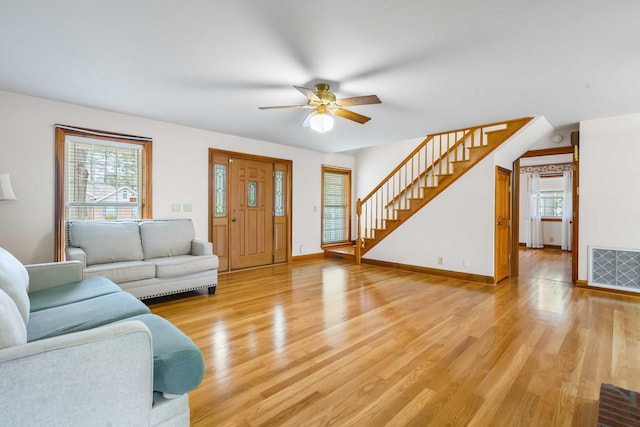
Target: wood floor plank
325, 342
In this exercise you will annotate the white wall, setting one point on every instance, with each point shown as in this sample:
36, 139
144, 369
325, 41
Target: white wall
456, 225
180, 170
375, 163
609, 185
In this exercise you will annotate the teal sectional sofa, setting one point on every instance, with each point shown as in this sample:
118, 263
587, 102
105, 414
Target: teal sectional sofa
78, 352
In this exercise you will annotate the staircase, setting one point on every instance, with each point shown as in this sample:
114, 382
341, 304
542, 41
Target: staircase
434, 165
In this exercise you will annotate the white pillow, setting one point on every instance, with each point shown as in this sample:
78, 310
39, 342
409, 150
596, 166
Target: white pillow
13, 330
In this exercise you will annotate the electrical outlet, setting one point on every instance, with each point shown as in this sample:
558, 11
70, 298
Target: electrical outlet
187, 207
465, 263
175, 207
440, 260
301, 249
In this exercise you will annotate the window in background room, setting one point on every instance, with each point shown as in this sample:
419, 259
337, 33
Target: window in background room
336, 207
100, 176
551, 197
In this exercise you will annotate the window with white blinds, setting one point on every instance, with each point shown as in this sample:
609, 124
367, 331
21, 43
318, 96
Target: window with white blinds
551, 202
103, 179
336, 195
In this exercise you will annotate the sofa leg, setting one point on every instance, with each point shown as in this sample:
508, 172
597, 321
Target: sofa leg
212, 290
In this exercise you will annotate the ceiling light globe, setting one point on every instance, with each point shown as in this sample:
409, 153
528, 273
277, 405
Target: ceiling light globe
321, 122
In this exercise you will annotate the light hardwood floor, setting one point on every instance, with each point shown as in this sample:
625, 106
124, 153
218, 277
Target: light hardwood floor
330, 343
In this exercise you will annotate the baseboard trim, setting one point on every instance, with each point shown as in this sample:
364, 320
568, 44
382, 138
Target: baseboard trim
581, 283
307, 257
524, 245
476, 278
584, 285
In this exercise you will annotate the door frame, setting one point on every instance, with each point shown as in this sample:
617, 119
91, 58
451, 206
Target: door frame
515, 204
217, 156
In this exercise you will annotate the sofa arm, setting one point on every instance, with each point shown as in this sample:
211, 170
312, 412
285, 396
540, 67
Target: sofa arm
201, 247
102, 376
49, 275
76, 254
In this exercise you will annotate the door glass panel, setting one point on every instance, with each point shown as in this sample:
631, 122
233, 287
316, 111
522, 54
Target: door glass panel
252, 196
221, 186
279, 202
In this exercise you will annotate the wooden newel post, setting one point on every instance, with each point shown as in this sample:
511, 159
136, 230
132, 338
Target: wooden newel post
359, 234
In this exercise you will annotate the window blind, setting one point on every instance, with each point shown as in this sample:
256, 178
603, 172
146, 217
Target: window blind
334, 208
102, 179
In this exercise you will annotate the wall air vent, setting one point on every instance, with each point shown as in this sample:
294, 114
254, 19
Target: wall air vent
614, 268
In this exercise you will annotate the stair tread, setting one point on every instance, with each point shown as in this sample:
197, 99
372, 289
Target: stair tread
496, 131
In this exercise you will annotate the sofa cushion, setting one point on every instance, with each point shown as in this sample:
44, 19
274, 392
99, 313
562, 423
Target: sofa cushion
178, 366
166, 238
121, 272
72, 292
14, 280
183, 265
83, 315
106, 242
12, 328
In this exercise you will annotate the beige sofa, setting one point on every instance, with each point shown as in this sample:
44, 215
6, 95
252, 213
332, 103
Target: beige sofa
147, 258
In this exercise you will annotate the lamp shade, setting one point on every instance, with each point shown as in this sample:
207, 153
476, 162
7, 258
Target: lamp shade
6, 192
321, 122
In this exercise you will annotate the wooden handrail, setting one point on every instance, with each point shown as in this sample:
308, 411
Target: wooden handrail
379, 206
424, 142
488, 125
415, 181
397, 169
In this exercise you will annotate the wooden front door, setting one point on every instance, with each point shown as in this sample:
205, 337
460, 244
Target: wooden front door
249, 209
251, 205
502, 217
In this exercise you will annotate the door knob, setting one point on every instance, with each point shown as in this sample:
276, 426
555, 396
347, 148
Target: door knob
234, 219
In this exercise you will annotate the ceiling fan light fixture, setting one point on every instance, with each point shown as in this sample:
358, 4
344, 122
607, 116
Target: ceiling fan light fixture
321, 122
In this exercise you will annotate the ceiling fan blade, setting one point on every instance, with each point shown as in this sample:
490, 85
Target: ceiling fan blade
346, 114
311, 95
358, 100
285, 106
307, 121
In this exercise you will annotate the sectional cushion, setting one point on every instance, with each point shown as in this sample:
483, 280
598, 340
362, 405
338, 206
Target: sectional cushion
72, 292
183, 265
106, 242
12, 328
121, 272
83, 315
14, 280
178, 366
166, 238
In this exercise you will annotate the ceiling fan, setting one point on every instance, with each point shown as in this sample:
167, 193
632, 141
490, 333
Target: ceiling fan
324, 104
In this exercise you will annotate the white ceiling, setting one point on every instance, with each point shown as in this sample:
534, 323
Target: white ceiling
436, 64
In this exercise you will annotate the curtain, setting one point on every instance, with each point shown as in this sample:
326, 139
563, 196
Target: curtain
534, 232
567, 213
